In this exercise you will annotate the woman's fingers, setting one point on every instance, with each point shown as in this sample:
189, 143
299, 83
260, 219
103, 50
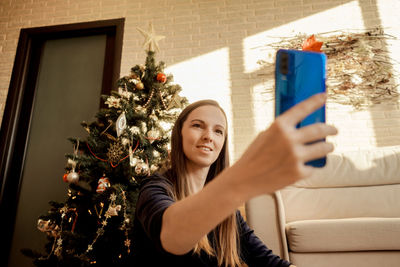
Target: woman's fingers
278, 155
300, 111
314, 132
316, 150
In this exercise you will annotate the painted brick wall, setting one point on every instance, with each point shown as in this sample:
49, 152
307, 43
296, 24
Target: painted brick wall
211, 48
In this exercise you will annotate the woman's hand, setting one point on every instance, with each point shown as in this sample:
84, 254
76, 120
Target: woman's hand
277, 157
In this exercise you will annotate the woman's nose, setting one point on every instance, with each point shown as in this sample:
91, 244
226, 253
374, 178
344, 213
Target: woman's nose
207, 135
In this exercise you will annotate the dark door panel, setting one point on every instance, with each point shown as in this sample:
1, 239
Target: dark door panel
58, 76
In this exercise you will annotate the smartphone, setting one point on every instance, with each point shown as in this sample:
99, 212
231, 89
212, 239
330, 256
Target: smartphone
299, 75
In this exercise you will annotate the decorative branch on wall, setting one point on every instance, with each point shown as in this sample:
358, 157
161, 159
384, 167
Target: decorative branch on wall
359, 67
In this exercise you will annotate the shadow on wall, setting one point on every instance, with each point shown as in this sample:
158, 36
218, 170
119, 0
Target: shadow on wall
371, 18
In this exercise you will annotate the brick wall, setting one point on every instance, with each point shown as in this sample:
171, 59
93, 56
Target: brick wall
211, 48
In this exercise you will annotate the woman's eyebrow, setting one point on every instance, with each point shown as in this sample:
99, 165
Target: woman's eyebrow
194, 120
201, 121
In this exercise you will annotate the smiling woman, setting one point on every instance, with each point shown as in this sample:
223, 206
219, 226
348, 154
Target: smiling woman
203, 135
187, 216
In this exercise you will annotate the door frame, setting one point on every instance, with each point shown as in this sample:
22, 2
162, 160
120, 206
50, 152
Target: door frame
14, 132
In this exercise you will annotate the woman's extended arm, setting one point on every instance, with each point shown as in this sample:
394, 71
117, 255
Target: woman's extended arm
274, 160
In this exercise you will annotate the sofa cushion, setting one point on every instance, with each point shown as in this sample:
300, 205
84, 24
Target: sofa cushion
355, 234
340, 203
379, 166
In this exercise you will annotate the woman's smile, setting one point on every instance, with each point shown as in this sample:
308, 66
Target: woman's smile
205, 148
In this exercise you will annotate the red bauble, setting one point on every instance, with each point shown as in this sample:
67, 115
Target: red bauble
65, 177
161, 77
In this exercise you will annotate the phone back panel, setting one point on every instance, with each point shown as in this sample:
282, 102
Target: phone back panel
299, 75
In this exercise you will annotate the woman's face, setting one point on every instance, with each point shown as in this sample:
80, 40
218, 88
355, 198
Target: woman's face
203, 136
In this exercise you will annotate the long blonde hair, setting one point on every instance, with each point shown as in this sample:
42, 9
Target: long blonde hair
227, 246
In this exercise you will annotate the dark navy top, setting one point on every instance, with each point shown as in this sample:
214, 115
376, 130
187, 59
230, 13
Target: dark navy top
147, 250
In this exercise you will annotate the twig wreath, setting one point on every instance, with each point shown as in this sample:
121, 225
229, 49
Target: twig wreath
359, 67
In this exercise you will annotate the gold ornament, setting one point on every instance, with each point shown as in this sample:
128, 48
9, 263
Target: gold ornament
139, 86
175, 101
113, 210
115, 152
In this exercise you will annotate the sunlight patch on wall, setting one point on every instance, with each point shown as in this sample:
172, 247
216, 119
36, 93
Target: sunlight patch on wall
390, 21
389, 15
344, 17
204, 77
207, 77
264, 105
349, 122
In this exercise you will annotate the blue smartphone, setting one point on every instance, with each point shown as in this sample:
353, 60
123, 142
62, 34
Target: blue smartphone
299, 75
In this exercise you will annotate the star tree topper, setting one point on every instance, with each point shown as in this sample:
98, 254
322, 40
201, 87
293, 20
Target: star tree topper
151, 39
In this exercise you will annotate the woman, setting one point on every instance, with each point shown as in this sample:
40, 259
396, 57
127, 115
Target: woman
181, 222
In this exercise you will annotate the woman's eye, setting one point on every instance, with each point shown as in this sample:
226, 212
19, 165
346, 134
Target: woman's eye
219, 132
197, 125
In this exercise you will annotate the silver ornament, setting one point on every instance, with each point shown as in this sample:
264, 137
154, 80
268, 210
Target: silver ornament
121, 124
132, 160
141, 168
73, 177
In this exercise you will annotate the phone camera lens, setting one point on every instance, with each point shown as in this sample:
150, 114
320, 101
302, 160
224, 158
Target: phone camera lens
284, 63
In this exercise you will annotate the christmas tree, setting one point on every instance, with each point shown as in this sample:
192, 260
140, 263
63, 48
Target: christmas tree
128, 142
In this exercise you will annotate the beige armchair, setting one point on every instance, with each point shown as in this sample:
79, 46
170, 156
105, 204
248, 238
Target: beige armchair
346, 214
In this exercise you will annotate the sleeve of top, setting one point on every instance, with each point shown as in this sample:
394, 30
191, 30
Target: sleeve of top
253, 250
152, 202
